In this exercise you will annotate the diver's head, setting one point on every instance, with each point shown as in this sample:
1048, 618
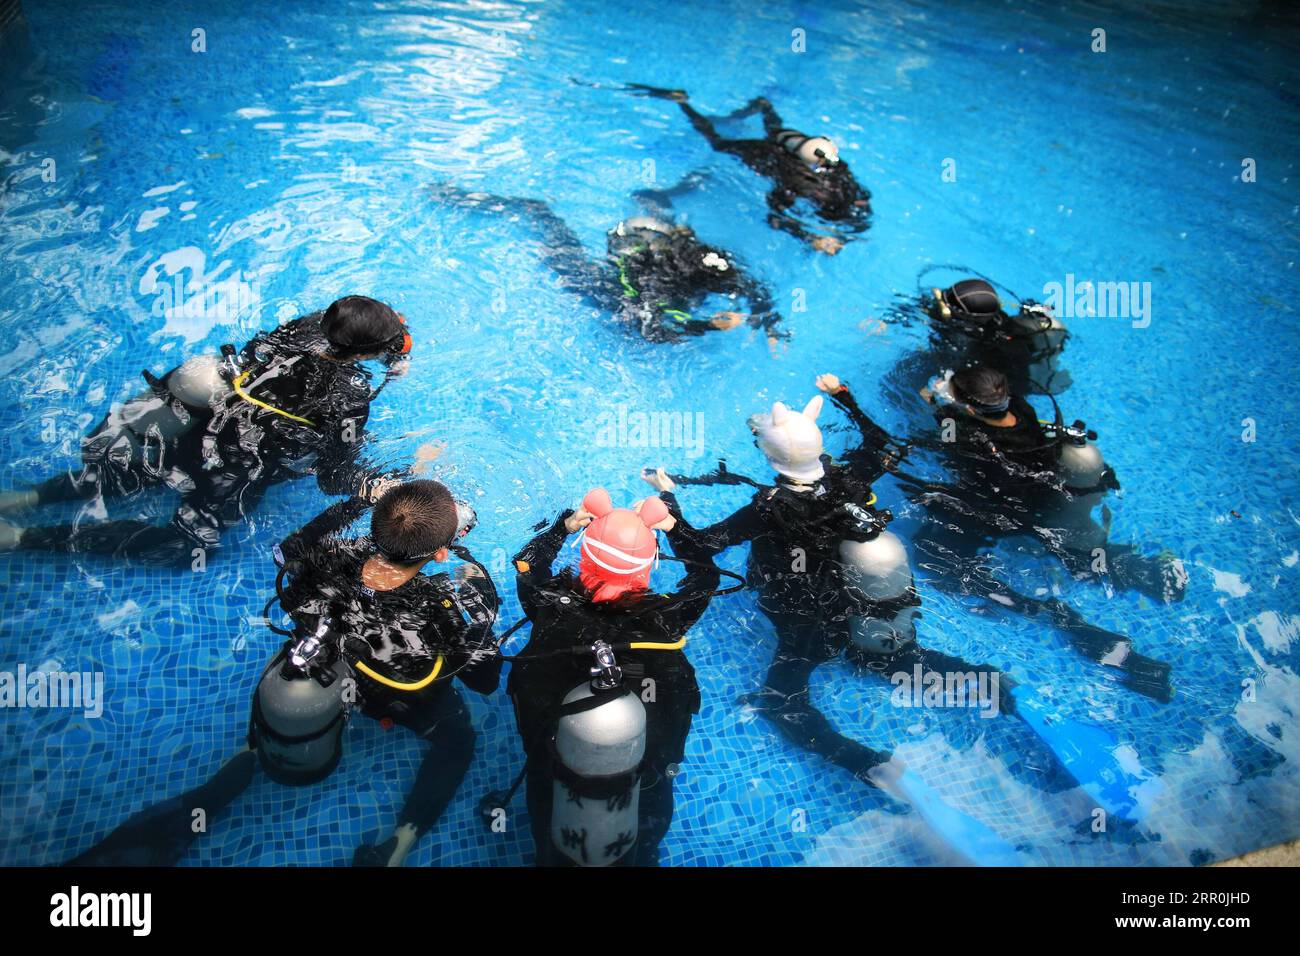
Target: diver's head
791, 441
619, 547
973, 300
984, 390
417, 521
817, 152
359, 327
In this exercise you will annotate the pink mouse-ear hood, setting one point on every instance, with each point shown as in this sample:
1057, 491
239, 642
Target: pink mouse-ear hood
597, 501
779, 413
653, 511
813, 408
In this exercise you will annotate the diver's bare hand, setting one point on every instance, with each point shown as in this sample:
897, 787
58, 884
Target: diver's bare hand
669, 521
578, 520
727, 320
827, 244
657, 479
829, 383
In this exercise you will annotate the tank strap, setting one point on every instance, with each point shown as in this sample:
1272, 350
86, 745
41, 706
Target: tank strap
259, 722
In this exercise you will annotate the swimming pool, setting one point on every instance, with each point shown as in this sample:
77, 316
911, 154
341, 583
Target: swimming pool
289, 164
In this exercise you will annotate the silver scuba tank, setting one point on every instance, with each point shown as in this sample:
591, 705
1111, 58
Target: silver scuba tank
1080, 462
150, 418
299, 711
1052, 341
879, 569
598, 752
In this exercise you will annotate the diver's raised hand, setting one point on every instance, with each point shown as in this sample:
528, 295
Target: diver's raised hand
580, 518
657, 479
668, 522
827, 244
829, 383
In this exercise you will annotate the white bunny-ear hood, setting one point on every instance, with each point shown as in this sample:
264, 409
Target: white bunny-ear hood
791, 441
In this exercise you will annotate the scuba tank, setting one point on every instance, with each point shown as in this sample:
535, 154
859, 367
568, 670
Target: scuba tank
877, 569
1080, 463
299, 711
600, 741
636, 232
169, 408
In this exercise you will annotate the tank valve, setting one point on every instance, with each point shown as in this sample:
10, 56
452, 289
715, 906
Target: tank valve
606, 674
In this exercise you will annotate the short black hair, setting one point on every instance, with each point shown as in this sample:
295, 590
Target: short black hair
359, 325
973, 297
981, 387
413, 521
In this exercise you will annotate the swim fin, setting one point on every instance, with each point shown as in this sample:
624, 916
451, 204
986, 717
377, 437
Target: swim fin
1146, 675
160, 835
968, 836
1088, 752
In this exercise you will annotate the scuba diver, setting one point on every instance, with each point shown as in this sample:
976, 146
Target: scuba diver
802, 167
969, 326
655, 278
371, 633
603, 743
829, 576
1016, 476
220, 431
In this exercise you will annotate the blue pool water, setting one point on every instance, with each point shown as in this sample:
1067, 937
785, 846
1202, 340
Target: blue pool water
291, 161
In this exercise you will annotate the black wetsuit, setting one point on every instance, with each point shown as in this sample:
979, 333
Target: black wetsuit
223, 465
651, 281
794, 567
1006, 485
400, 634
1021, 346
834, 194
564, 616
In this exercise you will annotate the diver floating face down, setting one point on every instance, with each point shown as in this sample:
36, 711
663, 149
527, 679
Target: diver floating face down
791, 441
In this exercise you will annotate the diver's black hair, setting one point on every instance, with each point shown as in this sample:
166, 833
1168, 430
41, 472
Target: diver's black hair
973, 297
413, 521
359, 325
983, 388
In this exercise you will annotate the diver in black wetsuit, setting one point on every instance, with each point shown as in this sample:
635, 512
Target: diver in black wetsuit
802, 167
831, 578
221, 431
655, 276
608, 601
1017, 477
969, 326
395, 637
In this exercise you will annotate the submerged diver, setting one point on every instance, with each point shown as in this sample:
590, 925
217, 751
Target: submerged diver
655, 276
801, 166
1018, 477
220, 432
831, 578
969, 326
371, 633
603, 744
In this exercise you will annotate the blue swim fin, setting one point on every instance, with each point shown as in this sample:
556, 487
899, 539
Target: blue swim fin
971, 838
1088, 752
